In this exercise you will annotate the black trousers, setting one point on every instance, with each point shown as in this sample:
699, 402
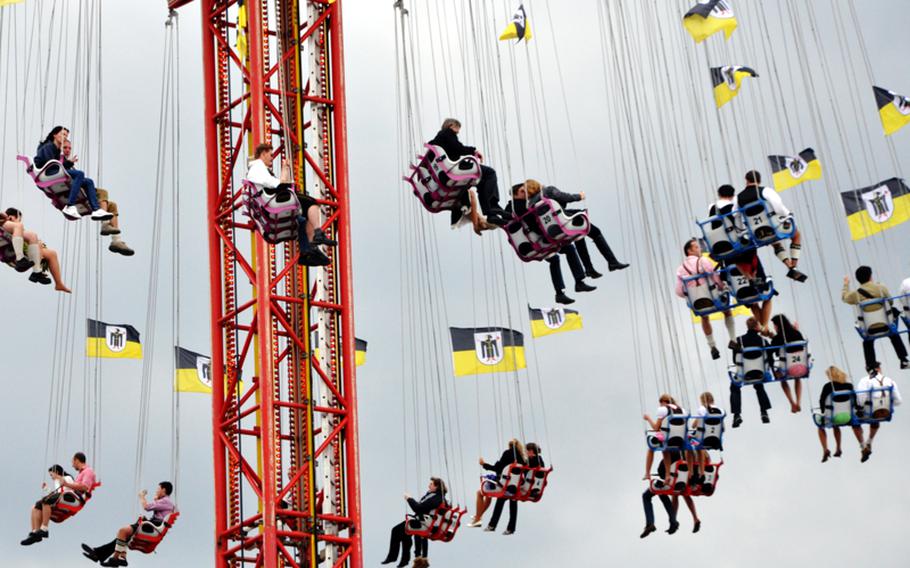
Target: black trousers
869, 349
596, 235
399, 539
646, 498
736, 398
578, 272
104, 551
497, 512
488, 190
421, 546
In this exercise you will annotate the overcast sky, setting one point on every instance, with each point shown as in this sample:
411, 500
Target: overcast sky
775, 504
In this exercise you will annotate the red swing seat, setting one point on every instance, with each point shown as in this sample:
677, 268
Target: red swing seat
440, 525
148, 535
69, 504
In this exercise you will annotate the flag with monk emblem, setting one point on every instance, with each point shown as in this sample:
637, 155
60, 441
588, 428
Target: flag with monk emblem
112, 340
482, 350
871, 210
893, 109
709, 17
547, 321
727, 81
789, 171
519, 28
194, 371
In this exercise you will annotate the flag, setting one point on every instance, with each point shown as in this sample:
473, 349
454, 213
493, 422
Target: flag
480, 350
794, 170
10, 2
709, 17
361, 352
519, 28
112, 340
893, 109
727, 80
193, 371
876, 208
241, 45
547, 321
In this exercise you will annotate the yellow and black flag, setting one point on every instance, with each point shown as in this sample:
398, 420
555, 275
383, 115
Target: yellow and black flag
547, 321
194, 371
112, 340
871, 210
709, 17
793, 170
519, 28
727, 80
893, 109
9, 2
242, 44
360, 357
480, 350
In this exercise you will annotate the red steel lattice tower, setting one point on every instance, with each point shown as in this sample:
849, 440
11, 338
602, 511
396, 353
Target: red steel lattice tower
287, 490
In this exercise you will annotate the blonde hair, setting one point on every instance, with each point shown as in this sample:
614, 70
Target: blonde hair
835, 375
533, 187
707, 398
450, 122
518, 448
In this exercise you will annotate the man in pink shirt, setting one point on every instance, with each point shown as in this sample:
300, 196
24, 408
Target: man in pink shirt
114, 552
693, 265
81, 486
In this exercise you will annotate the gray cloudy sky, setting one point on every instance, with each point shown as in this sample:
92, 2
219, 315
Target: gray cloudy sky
776, 504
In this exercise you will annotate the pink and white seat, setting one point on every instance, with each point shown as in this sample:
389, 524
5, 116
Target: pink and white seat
545, 228
438, 181
54, 182
274, 213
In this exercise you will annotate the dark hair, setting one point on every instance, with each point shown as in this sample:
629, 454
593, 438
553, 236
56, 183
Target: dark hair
753, 177
688, 244
532, 447
54, 131
786, 328
726, 190
13, 212
56, 468
440, 485
79, 457
261, 149
449, 123
873, 367
516, 187
167, 486
864, 274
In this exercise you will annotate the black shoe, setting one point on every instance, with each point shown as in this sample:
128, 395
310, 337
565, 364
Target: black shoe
561, 298
388, 561
89, 553
673, 528
617, 266
697, 527
732, 344
795, 274
313, 257
648, 530
826, 456
115, 562
404, 563
39, 278
508, 532
319, 238
737, 420
905, 364
33, 537
765, 419
23, 264
582, 286
867, 451
496, 220
715, 354
592, 273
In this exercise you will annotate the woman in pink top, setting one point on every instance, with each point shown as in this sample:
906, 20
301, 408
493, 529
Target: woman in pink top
694, 264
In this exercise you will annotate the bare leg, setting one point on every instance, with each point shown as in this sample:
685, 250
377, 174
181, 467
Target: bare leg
837, 441
799, 394
53, 263
691, 505
649, 461
483, 503
123, 534
312, 221
36, 519
858, 432
765, 313
823, 439
45, 515
706, 325
873, 430
784, 386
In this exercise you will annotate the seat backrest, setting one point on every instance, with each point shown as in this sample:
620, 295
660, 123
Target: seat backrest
753, 365
796, 360
676, 429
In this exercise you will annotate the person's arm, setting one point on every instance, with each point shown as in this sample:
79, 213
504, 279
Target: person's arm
823, 397
260, 175
680, 287
143, 501
453, 146
896, 394
849, 296
45, 154
770, 195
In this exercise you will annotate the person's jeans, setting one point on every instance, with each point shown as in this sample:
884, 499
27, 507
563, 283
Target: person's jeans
869, 349
736, 398
497, 512
78, 182
649, 507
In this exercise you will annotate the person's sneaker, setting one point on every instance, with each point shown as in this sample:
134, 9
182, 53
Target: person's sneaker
737, 420
107, 229
765, 419
101, 215
673, 528
31, 539
508, 532
905, 364
319, 238
120, 247
39, 278
617, 266
23, 264
583, 286
313, 257
593, 273
71, 213
715, 354
488, 528
561, 298
648, 530
795, 274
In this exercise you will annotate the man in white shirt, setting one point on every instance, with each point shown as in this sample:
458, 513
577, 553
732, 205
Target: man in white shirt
753, 192
309, 235
875, 404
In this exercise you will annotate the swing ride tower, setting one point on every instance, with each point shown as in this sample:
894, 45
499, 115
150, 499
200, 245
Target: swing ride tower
286, 480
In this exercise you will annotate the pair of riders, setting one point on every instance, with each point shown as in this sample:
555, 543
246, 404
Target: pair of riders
309, 233
30, 251
515, 453
56, 146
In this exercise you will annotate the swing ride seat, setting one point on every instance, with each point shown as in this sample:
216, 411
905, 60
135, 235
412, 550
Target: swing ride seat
792, 361
148, 535
673, 435
54, 182
704, 297
843, 408
838, 410
506, 485
881, 320
748, 291
766, 227
441, 524
680, 484
274, 212
70, 503
438, 182
708, 431
724, 236
533, 483
751, 366
545, 228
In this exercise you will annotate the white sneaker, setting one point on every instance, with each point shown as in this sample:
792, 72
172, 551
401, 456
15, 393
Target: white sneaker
101, 215
475, 524
71, 213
